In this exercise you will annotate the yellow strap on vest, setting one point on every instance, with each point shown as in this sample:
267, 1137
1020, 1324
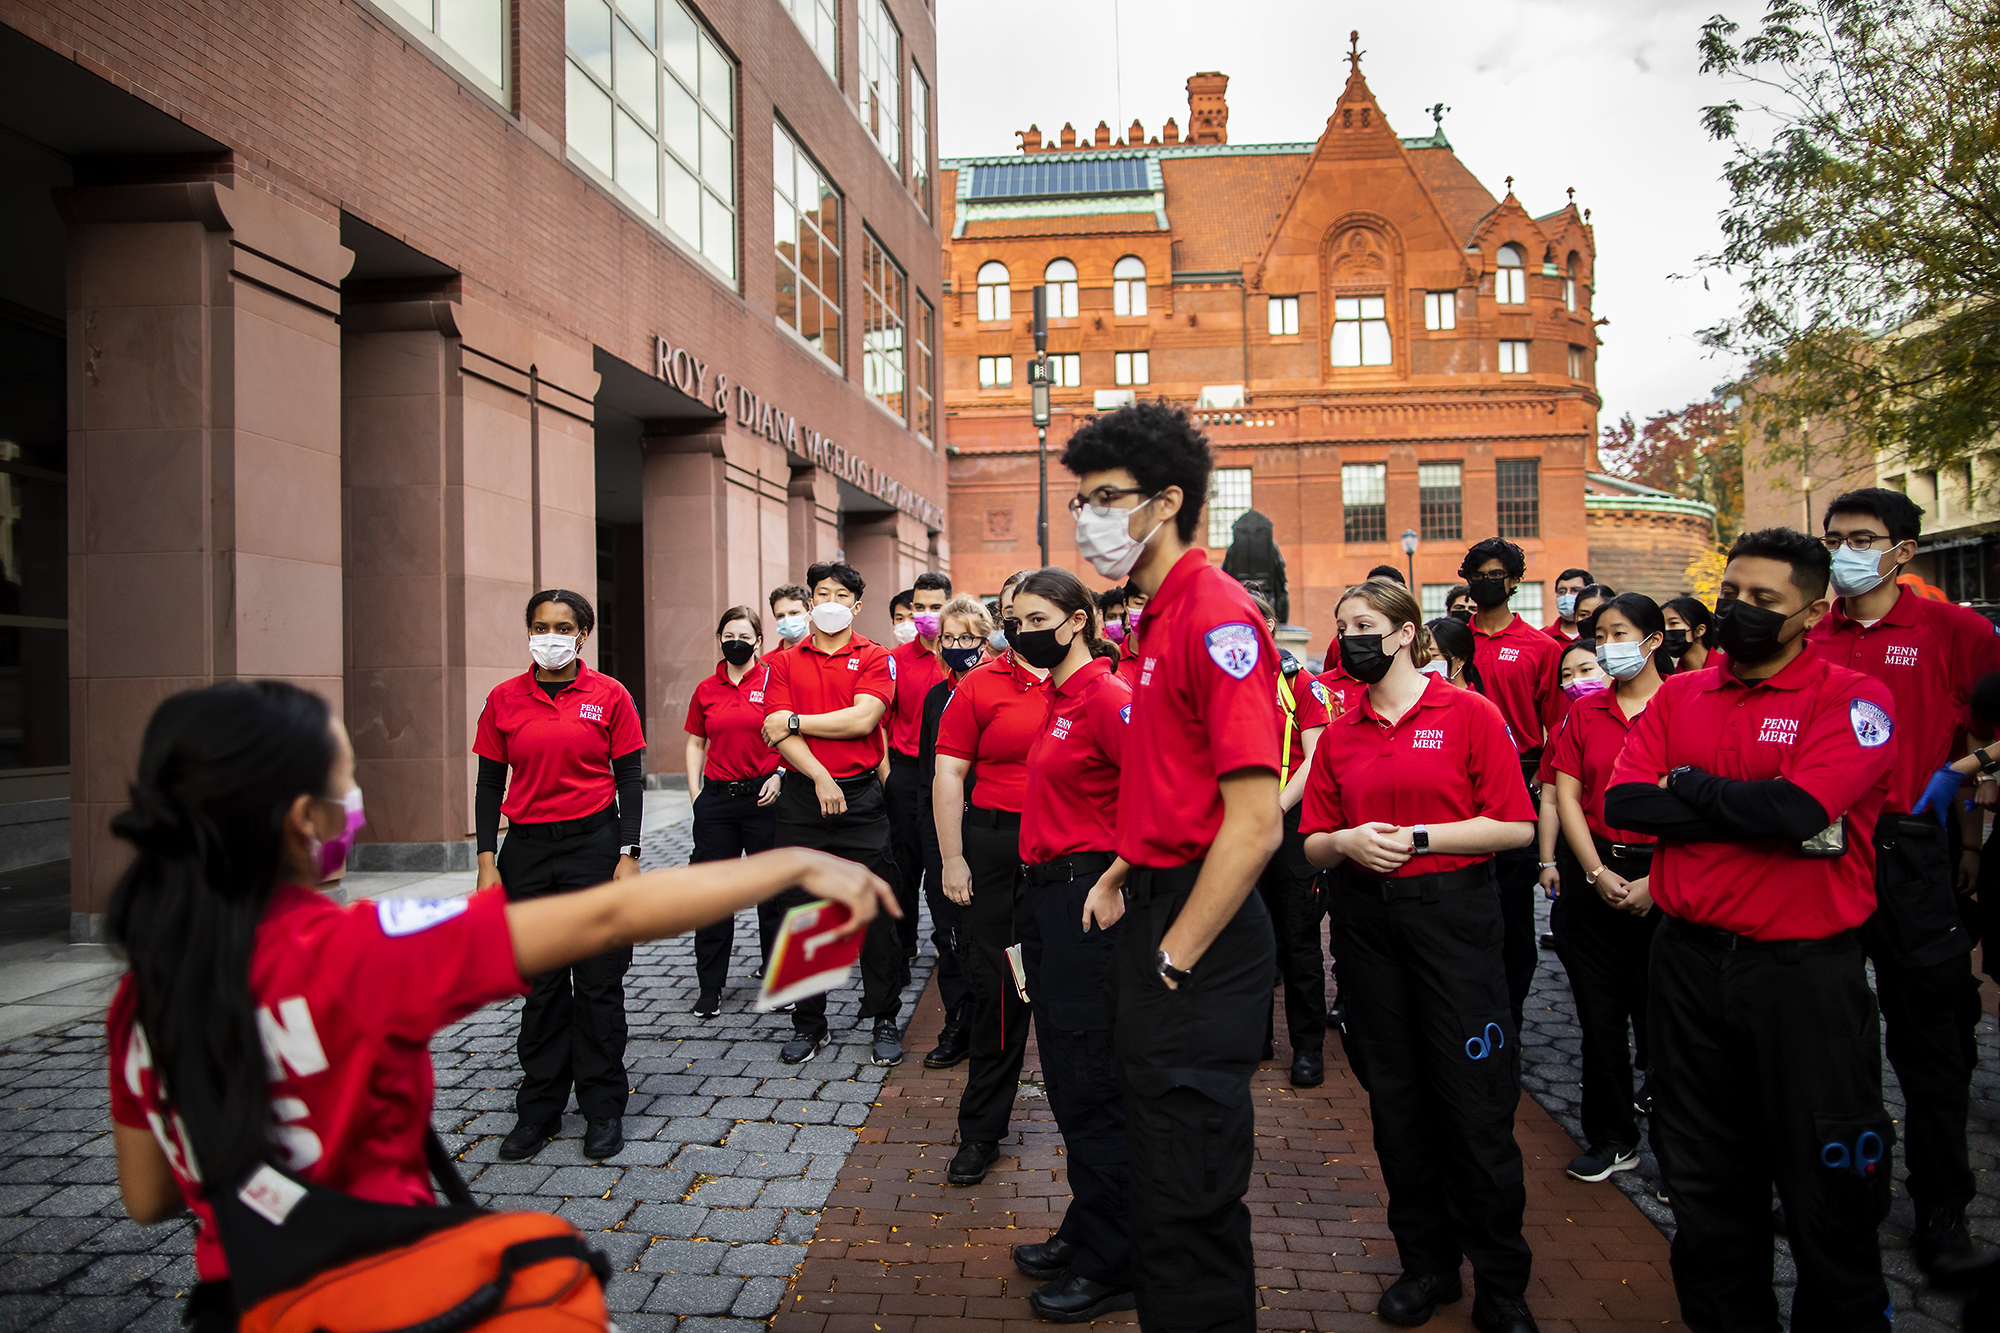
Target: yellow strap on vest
1291, 706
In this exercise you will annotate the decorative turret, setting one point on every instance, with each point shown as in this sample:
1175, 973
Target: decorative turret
1208, 107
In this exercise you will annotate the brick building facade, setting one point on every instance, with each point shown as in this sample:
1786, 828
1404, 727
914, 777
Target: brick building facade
1372, 340
1643, 539
338, 326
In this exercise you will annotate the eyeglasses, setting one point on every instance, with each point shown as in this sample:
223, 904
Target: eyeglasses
1101, 498
960, 640
1860, 541
1501, 577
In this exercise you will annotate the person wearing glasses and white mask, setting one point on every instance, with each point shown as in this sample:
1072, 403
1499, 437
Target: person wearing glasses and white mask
1929, 654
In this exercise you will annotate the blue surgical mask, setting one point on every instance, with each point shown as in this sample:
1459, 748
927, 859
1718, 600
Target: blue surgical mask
1622, 661
1857, 572
1566, 606
792, 628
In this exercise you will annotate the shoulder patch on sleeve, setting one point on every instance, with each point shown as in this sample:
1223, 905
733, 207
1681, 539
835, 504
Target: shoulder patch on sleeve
1125, 714
1872, 725
1234, 648
1321, 693
892, 667
407, 916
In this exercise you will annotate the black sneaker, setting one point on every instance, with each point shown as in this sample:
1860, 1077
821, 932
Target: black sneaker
803, 1047
527, 1139
969, 1163
708, 1004
1941, 1242
888, 1045
1601, 1163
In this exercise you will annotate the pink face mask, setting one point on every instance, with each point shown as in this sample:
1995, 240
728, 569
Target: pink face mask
926, 623
1132, 621
1584, 685
333, 854
1114, 631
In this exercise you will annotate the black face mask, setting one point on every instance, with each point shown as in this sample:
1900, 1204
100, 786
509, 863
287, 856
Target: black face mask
1489, 593
1675, 641
1361, 656
1461, 615
962, 660
1038, 647
1750, 634
738, 652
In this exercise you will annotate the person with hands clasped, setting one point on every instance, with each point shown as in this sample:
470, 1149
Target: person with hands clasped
824, 705
1069, 933
988, 724
733, 781
1411, 794
570, 739
260, 1022
1604, 918
1763, 781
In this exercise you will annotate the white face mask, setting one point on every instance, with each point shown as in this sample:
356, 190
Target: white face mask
1623, 661
905, 631
1104, 538
1566, 606
1858, 572
552, 652
832, 617
793, 628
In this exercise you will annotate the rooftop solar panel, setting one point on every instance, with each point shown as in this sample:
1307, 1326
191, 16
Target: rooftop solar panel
1040, 180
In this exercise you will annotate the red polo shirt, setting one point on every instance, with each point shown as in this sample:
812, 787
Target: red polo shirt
349, 999
1447, 759
560, 749
1517, 664
1206, 704
1586, 745
808, 680
1073, 767
1826, 729
1929, 654
730, 716
1128, 660
1312, 707
992, 719
916, 669
1343, 690
1558, 633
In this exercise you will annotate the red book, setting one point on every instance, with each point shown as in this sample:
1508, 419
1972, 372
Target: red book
808, 957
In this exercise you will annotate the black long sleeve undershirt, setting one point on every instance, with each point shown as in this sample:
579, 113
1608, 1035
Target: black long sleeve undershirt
1702, 807
627, 770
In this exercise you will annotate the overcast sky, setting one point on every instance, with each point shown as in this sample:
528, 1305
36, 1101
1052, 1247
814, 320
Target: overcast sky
1599, 94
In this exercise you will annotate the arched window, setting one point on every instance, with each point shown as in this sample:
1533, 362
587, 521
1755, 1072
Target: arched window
1569, 282
1061, 278
1128, 286
993, 302
1510, 284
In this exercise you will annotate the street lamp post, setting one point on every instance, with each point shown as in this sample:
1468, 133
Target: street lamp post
1410, 556
1038, 387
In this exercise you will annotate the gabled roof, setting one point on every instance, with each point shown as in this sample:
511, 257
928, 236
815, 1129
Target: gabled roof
1460, 196
1224, 206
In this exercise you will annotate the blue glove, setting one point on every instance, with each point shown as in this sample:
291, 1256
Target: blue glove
1939, 793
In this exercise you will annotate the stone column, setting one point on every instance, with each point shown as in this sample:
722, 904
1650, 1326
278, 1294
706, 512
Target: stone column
812, 519
686, 515
872, 549
204, 409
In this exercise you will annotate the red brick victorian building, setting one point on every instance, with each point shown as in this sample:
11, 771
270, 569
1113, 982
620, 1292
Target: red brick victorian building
1373, 341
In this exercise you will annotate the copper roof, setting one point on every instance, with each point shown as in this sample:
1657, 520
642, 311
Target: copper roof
1223, 207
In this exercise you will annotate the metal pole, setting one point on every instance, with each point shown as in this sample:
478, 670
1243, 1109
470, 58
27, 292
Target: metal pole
1038, 379
1042, 521
1410, 564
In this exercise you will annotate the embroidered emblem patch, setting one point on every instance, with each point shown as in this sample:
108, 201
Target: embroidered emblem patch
1872, 726
1234, 648
892, 668
407, 916
1324, 695
1125, 715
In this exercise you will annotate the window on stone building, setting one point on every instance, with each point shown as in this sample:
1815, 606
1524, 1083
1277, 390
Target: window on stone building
1132, 367
1513, 356
1527, 602
1361, 331
819, 20
1440, 310
1284, 315
920, 139
882, 368
1431, 600
923, 337
651, 107
474, 31
881, 76
1228, 498
1128, 286
1364, 494
1569, 284
1065, 371
1518, 489
1575, 362
1510, 283
996, 372
1440, 501
1061, 279
993, 292
807, 229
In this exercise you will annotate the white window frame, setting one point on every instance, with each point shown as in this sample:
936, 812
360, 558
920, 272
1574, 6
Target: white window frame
1431, 600
1283, 316
1128, 288
884, 338
1510, 277
819, 24
787, 154
920, 139
923, 360
1440, 310
1223, 511
1515, 356
995, 293
996, 372
1060, 278
422, 17
879, 96
1065, 370
1527, 602
1575, 362
1132, 367
1360, 336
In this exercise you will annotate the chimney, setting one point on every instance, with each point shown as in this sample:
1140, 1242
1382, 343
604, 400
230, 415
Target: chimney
1031, 139
1068, 136
1208, 107
1171, 131
1102, 137
1135, 136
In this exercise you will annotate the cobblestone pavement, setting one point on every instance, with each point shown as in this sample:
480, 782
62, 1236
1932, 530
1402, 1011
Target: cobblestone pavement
728, 1160
1551, 1070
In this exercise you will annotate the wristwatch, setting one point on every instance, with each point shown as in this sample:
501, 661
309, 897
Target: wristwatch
631, 851
1673, 775
1166, 968
1989, 761
1420, 841
792, 724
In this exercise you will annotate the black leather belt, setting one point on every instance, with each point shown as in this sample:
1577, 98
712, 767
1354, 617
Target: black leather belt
980, 817
852, 783
555, 830
1711, 938
1077, 865
1427, 887
1145, 884
735, 786
898, 757
1622, 851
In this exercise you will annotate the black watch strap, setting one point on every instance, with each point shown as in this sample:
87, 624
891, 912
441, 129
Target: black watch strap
1168, 970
